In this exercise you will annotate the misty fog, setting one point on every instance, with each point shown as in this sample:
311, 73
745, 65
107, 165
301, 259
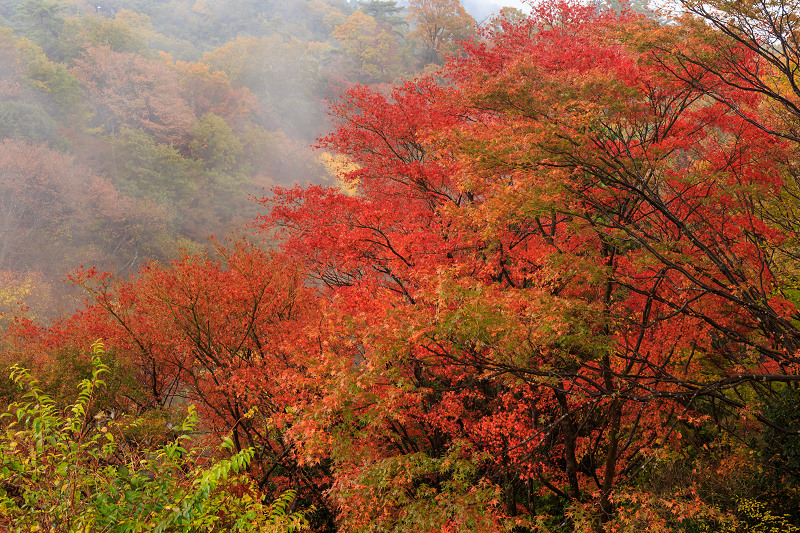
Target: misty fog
133, 129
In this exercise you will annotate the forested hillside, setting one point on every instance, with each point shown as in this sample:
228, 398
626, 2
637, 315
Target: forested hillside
539, 275
130, 130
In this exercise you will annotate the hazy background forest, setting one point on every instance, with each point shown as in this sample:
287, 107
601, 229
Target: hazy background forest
134, 129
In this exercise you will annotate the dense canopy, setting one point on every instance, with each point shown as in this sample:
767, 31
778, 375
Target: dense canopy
550, 285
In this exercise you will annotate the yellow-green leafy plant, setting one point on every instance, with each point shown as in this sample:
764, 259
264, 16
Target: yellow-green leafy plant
70, 471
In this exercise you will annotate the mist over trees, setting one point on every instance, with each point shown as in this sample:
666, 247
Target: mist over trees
178, 114
537, 274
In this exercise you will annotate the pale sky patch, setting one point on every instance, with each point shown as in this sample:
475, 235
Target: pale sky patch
482, 9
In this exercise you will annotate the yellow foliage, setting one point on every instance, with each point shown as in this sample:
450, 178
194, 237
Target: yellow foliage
339, 167
756, 518
25, 292
13, 289
201, 7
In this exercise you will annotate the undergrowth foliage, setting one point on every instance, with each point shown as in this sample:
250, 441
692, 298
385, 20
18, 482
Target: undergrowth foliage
67, 470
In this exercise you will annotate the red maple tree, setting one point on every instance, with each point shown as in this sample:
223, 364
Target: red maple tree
550, 262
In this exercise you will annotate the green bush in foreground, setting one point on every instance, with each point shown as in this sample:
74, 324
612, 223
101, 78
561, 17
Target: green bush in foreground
62, 472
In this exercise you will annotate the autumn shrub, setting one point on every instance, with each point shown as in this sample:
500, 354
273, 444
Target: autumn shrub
69, 470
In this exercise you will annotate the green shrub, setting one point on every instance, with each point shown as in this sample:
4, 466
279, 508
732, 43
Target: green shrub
68, 471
